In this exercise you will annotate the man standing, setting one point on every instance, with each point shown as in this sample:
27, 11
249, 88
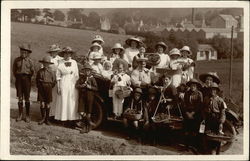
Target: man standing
23, 69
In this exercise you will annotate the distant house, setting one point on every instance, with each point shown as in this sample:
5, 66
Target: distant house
224, 21
206, 52
105, 24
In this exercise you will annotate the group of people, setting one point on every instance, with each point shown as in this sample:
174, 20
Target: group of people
67, 91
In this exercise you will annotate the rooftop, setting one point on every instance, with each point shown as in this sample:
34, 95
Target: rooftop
205, 47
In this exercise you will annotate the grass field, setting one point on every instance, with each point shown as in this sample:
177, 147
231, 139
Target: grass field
41, 36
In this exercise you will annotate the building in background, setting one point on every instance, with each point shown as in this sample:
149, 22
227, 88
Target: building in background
105, 24
224, 21
206, 52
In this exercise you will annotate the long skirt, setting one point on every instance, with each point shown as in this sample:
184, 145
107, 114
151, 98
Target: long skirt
67, 101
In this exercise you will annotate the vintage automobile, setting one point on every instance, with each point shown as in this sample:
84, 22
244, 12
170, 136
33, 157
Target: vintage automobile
103, 109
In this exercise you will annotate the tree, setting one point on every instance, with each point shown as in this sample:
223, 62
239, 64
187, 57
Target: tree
59, 15
119, 18
93, 20
75, 14
47, 12
15, 14
30, 13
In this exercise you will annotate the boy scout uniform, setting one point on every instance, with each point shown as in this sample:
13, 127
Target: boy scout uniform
23, 69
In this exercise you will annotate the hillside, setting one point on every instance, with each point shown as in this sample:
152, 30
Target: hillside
41, 36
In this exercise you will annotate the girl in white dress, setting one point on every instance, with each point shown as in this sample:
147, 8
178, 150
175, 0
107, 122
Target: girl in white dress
176, 65
188, 67
161, 47
67, 99
119, 80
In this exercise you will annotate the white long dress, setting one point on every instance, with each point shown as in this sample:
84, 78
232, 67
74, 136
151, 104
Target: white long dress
129, 54
56, 60
67, 102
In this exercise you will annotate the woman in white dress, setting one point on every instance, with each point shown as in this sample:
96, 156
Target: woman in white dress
188, 67
176, 64
132, 50
161, 47
67, 99
56, 59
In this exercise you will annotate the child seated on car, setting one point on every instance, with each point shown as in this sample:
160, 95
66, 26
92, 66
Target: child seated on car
193, 100
134, 114
169, 92
215, 111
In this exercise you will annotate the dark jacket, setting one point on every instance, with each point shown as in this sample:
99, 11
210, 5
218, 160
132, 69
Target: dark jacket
193, 101
83, 80
23, 66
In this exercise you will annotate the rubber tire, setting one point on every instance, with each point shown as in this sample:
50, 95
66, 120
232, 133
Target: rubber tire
97, 115
228, 128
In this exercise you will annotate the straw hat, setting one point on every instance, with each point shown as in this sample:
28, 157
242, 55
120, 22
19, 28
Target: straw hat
96, 56
95, 44
215, 86
175, 51
141, 59
54, 48
214, 75
98, 38
67, 49
46, 59
25, 47
162, 44
128, 41
193, 81
117, 46
138, 90
186, 48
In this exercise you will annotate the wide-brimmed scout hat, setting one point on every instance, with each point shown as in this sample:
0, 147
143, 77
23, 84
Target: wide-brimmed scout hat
137, 39
215, 86
193, 81
214, 75
96, 56
186, 48
138, 90
95, 45
46, 59
162, 44
84, 67
174, 51
98, 38
54, 48
25, 47
117, 46
142, 59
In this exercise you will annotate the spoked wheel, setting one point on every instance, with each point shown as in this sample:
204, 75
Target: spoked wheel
97, 114
228, 129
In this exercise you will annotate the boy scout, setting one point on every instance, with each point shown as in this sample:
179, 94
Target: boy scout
23, 69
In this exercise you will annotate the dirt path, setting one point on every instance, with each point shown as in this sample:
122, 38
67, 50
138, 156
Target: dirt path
33, 139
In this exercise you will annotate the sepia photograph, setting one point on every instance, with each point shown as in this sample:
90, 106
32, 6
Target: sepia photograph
125, 80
